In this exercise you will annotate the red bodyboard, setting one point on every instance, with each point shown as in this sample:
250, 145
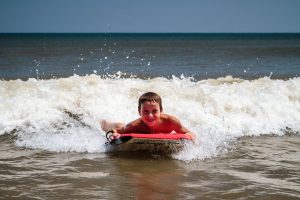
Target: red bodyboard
158, 136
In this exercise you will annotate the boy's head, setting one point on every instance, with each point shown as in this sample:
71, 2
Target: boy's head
150, 97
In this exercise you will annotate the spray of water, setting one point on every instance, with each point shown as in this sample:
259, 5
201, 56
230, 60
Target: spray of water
64, 114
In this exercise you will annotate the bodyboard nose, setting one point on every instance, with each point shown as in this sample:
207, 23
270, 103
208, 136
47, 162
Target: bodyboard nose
120, 140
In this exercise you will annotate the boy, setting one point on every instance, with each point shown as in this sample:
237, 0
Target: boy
152, 120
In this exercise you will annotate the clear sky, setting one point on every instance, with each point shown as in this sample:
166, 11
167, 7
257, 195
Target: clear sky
201, 16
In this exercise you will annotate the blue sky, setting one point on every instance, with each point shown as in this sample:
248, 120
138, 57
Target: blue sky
203, 16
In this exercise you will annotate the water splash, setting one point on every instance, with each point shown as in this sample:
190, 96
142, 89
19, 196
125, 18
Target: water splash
218, 111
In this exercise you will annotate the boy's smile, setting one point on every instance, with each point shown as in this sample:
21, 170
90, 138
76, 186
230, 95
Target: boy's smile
150, 113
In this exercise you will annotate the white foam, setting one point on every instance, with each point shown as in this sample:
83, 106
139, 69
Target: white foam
216, 110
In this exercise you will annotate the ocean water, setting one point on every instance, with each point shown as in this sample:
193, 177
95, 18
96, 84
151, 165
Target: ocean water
239, 93
202, 56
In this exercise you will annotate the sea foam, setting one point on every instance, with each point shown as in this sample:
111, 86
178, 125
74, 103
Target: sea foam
63, 114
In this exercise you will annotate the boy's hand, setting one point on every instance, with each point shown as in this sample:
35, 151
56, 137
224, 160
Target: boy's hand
192, 135
116, 135
111, 135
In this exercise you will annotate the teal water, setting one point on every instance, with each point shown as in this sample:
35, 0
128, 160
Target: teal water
201, 56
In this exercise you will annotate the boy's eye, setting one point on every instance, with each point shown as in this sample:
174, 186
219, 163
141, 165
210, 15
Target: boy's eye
145, 112
148, 112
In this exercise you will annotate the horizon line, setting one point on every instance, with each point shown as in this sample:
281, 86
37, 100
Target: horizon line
2, 33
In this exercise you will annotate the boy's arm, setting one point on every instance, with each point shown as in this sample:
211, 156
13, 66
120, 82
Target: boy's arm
187, 132
129, 128
179, 128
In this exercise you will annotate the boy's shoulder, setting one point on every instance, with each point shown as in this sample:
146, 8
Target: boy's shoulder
136, 126
172, 123
169, 118
135, 122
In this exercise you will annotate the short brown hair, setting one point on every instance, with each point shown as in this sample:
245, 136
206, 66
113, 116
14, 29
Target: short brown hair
150, 97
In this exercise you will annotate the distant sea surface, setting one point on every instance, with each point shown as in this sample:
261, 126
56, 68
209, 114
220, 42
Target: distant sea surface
150, 55
239, 94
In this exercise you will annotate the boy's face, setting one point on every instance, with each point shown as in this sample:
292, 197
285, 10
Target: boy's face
150, 113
